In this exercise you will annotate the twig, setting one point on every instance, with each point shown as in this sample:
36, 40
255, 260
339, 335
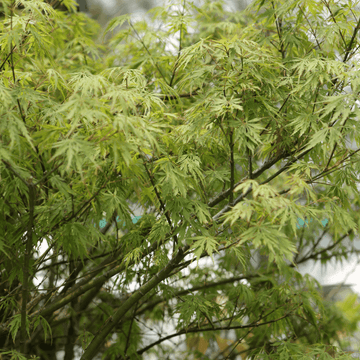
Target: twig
147, 50
27, 255
162, 205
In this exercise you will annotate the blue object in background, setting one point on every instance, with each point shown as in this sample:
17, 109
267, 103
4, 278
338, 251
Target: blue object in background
118, 219
324, 222
102, 222
301, 222
135, 219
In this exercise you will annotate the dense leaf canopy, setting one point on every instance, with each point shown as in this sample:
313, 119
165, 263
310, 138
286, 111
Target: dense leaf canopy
221, 132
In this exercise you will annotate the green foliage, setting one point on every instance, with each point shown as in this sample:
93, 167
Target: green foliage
45, 325
223, 140
15, 355
85, 338
350, 307
15, 324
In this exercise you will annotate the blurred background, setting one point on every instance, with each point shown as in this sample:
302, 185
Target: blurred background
104, 10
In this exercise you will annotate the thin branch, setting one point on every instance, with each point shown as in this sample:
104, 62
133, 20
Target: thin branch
91, 281
72, 260
27, 255
279, 31
311, 28
327, 257
336, 143
147, 50
7, 57
232, 165
237, 343
242, 196
180, 46
193, 289
174, 97
162, 205
331, 156
335, 22
82, 209
323, 173
72, 332
250, 163
47, 174
196, 330
256, 174
315, 255
129, 332
327, 171
13, 70
8, 165
70, 281
299, 247
112, 321
313, 247
283, 104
